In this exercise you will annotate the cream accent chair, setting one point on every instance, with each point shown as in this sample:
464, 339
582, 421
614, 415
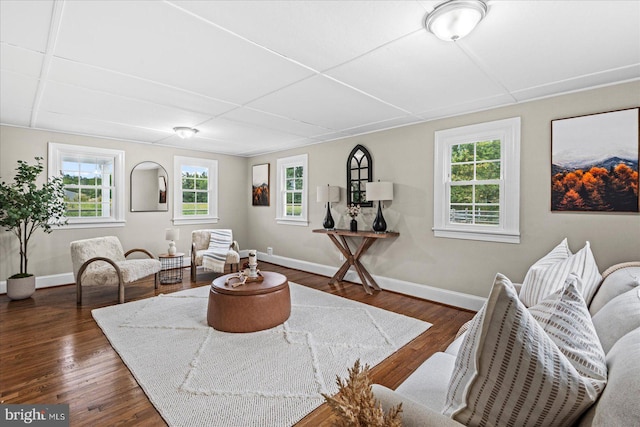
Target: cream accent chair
200, 243
101, 261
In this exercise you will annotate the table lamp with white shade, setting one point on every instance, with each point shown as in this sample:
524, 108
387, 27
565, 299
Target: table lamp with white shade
172, 234
379, 191
328, 194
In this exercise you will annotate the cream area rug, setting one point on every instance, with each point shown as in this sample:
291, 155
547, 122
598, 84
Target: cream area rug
197, 376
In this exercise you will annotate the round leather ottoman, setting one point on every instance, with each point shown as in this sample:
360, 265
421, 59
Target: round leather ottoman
250, 307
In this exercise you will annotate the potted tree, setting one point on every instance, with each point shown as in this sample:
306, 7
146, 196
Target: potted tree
24, 208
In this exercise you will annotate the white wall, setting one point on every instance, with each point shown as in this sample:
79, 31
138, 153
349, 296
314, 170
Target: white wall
416, 261
405, 156
49, 253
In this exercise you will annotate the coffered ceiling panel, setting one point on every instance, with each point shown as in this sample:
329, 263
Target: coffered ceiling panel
262, 76
319, 34
324, 102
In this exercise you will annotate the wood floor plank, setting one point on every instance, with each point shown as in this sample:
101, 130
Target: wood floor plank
52, 351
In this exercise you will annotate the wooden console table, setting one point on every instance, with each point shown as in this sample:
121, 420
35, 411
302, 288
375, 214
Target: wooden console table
353, 259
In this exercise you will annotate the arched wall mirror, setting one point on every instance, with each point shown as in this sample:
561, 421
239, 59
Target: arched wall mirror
149, 187
359, 172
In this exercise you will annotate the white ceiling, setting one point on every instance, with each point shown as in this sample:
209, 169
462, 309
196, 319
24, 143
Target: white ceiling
263, 76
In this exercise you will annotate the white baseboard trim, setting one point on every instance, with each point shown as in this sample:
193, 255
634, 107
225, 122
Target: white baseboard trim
45, 281
444, 296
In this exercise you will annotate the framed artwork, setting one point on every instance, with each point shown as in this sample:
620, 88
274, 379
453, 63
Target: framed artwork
594, 162
260, 185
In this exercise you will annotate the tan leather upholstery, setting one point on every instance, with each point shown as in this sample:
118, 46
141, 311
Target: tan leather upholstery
251, 307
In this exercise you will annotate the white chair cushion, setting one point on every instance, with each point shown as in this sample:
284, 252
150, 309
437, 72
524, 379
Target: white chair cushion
510, 372
102, 273
616, 283
546, 277
428, 384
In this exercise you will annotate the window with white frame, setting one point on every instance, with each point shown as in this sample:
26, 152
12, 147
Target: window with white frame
93, 184
477, 182
292, 190
196, 197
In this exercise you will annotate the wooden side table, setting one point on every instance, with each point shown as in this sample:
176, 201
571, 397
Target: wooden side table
171, 270
353, 259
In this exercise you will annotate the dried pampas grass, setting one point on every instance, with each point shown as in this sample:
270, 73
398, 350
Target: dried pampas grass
355, 405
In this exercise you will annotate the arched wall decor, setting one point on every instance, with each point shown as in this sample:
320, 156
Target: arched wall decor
359, 172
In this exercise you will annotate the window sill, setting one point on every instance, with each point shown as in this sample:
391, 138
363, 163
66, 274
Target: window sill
101, 223
289, 221
485, 235
199, 220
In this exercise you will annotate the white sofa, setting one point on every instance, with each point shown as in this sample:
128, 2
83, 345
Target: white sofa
615, 313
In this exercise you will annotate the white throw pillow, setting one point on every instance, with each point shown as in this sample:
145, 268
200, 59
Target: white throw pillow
545, 278
565, 318
510, 372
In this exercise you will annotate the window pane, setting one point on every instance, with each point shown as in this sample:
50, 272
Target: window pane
297, 198
289, 198
488, 215
299, 183
461, 193
488, 170
188, 183
289, 172
299, 172
488, 150
487, 194
461, 214
462, 153
462, 172
188, 196
202, 184
290, 184
355, 174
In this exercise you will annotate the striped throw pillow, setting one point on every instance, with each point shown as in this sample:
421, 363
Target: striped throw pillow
545, 278
564, 316
510, 372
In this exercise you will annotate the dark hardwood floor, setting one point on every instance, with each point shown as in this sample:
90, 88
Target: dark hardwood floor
52, 351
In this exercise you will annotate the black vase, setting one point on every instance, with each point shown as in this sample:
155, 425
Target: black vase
354, 225
379, 224
328, 223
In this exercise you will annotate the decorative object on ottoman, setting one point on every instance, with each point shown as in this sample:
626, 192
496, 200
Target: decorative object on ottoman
255, 306
355, 404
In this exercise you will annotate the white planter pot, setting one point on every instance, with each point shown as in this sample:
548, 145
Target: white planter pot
21, 288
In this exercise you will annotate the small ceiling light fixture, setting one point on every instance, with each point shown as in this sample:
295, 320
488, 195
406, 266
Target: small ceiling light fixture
185, 132
454, 19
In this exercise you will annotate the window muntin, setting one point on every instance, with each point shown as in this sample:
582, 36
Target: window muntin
196, 195
88, 186
93, 183
294, 186
477, 182
195, 190
291, 207
474, 187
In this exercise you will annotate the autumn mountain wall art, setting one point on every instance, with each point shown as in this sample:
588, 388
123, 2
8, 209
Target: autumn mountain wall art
594, 162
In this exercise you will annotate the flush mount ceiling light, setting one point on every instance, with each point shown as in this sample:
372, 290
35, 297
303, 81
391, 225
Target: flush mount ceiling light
185, 132
454, 19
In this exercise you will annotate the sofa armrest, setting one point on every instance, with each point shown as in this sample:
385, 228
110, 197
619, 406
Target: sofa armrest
413, 414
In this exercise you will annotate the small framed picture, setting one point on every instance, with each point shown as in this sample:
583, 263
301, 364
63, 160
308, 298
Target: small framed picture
260, 185
594, 162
